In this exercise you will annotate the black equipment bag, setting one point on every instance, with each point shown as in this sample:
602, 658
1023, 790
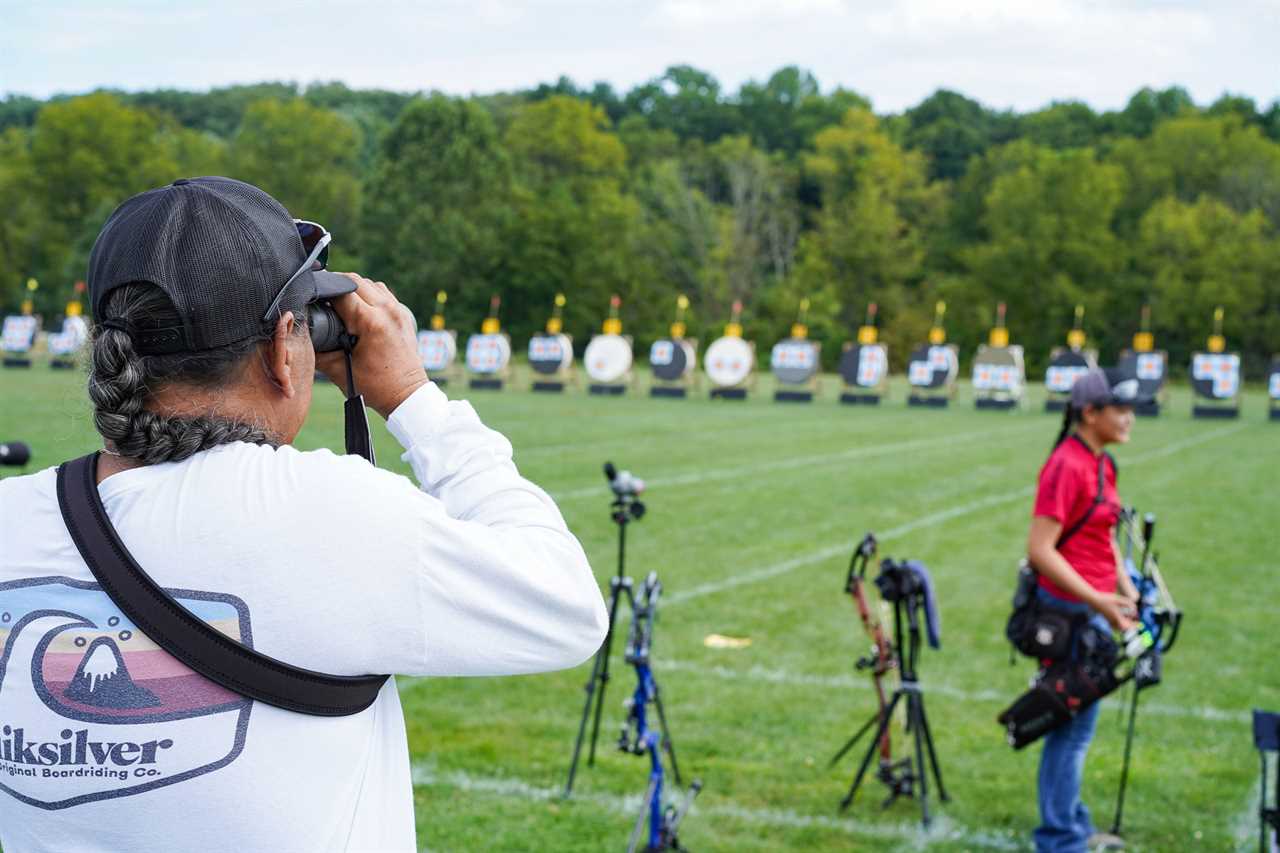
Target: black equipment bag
1044, 633
1059, 693
175, 629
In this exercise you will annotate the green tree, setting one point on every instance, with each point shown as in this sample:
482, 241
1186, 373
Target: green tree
437, 206
306, 157
1049, 245
574, 228
1198, 255
86, 155
868, 240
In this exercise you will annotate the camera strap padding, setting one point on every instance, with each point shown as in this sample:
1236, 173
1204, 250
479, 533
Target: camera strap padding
185, 636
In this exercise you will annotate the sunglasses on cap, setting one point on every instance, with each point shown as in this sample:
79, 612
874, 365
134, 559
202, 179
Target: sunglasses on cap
315, 242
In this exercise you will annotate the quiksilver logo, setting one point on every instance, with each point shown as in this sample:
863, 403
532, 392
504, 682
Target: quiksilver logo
76, 749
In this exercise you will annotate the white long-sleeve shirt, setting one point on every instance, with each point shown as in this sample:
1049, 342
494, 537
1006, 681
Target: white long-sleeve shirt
324, 561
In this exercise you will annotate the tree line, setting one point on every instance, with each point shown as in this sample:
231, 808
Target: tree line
768, 195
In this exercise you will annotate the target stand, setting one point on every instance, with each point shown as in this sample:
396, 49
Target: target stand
551, 354
1215, 377
489, 353
864, 365
795, 362
609, 356
1067, 364
1273, 388
932, 367
999, 374
17, 337
1149, 365
730, 361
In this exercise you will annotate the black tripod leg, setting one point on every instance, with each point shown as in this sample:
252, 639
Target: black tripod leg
1124, 767
666, 734
933, 755
616, 590
875, 718
582, 724
871, 751
915, 713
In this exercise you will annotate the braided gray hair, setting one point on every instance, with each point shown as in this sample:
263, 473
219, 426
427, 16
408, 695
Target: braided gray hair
121, 381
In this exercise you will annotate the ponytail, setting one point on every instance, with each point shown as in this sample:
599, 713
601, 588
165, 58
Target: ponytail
1070, 417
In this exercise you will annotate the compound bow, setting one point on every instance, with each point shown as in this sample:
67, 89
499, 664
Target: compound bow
1159, 618
880, 659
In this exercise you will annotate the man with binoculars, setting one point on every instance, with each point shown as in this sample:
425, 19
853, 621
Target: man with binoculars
201, 376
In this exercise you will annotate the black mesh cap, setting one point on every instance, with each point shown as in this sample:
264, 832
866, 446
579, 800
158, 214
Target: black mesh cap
219, 248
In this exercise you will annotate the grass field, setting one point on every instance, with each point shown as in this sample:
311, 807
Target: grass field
753, 509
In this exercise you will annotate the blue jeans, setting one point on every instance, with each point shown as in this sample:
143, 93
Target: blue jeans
1065, 825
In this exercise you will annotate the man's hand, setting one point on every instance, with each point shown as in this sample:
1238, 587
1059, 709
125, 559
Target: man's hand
385, 362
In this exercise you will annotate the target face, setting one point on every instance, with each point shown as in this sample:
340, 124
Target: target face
999, 370
550, 353
932, 366
1216, 375
437, 349
1065, 367
608, 358
1149, 366
1273, 386
729, 362
18, 333
793, 361
864, 366
488, 353
73, 336
671, 360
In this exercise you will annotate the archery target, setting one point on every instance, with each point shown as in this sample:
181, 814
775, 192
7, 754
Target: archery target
1150, 366
1216, 375
864, 366
1065, 367
729, 361
18, 333
671, 359
437, 349
999, 370
608, 358
488, 353
1273, 383
550, 353
793, 361
932, 366
73, 336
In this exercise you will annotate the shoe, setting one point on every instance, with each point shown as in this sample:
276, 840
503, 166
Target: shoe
1105, 841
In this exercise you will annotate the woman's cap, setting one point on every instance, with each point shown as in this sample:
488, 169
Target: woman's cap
219, 248
1105, 387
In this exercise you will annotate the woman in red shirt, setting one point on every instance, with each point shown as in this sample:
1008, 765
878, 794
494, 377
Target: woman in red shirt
1072, 547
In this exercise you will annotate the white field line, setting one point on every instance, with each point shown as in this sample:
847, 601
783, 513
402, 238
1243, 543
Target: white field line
800, 679
829, 551
1244, 827
943, 830
863, 452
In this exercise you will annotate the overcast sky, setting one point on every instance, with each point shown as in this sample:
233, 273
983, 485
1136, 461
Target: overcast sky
1006, 54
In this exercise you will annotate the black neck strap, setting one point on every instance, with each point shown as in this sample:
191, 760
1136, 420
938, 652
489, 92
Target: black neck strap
188, 638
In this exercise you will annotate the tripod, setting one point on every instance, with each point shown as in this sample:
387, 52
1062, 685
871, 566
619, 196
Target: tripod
624, 509
898, 582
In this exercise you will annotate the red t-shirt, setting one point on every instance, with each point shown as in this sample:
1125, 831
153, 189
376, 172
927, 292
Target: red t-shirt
1068, 486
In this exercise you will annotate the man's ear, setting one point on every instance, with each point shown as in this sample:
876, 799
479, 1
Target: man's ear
279, 362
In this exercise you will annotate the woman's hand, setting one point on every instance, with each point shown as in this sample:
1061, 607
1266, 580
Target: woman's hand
1116, 609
